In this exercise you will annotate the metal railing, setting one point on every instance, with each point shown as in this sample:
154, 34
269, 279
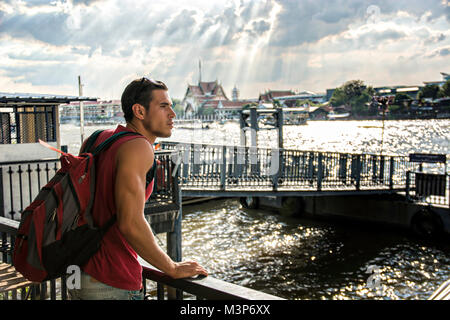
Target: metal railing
20, 182
202, 288
428, 188
221, 167
165, 195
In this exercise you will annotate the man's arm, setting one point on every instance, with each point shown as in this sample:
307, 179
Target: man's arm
134, 159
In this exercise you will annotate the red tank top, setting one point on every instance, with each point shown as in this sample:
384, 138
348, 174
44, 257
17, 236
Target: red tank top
115, 263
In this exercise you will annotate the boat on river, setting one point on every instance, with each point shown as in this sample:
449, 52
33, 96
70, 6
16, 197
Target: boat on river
337, 116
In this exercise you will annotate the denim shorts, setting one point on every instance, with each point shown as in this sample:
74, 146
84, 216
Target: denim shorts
92, 289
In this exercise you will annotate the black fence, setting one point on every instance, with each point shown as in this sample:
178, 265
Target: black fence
429, 188
219, 167
20, 182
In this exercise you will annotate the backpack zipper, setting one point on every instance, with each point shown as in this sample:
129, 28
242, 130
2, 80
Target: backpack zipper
22, 238
53, 215
75, 223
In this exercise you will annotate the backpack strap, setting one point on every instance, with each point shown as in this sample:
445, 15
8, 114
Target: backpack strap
90, 141
103, 229
105, 144
151, 174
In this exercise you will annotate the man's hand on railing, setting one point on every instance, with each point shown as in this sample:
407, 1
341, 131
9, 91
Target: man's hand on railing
186, 269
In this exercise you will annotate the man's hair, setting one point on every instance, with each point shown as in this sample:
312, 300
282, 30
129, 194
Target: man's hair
139, 91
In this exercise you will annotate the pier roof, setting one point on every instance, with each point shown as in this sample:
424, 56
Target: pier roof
24, 98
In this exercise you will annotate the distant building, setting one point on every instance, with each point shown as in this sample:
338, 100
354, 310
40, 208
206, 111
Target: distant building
271, 95
392, 90
235, 94
289, 98
290, 101
196, 95
225, 108
27, 117
445, 78
105, 111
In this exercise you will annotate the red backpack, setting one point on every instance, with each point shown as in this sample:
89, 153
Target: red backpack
57, 230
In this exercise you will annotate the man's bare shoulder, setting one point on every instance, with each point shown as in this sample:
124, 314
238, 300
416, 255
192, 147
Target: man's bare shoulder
136, 151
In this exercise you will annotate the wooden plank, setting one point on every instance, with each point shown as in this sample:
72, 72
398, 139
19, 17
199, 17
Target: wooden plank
10, 279
442, 293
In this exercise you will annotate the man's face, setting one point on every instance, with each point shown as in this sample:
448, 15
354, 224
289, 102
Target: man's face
158, 120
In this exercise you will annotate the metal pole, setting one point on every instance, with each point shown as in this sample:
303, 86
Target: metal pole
242, 127
80, 92
2, 200
174, 245
254, 127
280, 122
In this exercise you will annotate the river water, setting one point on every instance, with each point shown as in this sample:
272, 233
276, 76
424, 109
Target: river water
298, 258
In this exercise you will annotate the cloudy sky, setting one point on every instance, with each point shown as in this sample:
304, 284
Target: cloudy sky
256, 45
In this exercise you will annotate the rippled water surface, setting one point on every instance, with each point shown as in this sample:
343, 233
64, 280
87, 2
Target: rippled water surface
302, 259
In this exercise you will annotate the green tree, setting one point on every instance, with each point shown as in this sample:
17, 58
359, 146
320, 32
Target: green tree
401, 103
429, 91
338, 98
445, 90
353, 88
396, 108
354, 94
402, 99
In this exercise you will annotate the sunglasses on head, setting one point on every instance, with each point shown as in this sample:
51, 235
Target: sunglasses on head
142, 85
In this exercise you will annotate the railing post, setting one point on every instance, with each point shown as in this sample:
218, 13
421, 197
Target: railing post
310, 172
382, 162
174, 239
358, 172
279, 125
391, 173
2, 201
196, 152
276, 168
186, 162
374, 169
320, 172
223, 168
408, 179
343, 168
281, 175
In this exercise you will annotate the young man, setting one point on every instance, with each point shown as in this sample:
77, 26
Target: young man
114, 271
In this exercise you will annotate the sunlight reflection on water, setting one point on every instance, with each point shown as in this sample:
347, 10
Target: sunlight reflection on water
299, 259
